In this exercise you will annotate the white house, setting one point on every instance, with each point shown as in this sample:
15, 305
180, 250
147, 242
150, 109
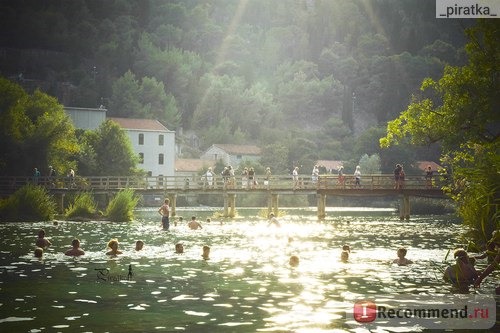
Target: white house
154, 144
232, 154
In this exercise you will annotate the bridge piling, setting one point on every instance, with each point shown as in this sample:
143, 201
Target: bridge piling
173, 203
404, 207
321, 206
272, 204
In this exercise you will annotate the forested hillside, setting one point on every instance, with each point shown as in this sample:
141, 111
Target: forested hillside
315, 79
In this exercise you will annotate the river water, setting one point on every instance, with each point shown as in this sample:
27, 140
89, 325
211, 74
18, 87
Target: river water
247, 284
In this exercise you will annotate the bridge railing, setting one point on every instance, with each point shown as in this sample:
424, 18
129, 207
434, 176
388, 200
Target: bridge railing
281, 182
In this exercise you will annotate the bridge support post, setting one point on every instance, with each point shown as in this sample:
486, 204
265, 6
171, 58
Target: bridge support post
61, 203
272, 204
230, 205
321, 206
173, 203
226, 205
404, 208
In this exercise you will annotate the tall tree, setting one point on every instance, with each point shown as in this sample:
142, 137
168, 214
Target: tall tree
114, 155
461, 111
34, 131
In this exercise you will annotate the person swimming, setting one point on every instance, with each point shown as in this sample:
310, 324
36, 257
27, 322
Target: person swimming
273, 221
139, 245
113, 245
344, 255
179, 248
41, 241
193, 224
206, 252
462, 273
75, 251
401, 260
294, 261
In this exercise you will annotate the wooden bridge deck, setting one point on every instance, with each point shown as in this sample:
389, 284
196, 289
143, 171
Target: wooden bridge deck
371, 185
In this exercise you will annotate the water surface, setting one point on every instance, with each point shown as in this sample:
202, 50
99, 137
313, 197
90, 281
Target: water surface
247, 284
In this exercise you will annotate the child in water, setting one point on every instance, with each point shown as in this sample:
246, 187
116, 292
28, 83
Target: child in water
294, 261
113, 245
344, 255
401, 260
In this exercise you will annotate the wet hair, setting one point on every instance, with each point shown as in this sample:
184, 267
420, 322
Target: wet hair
346, 248
193, 218
112, 242
461, 255
75, 241
294, 261
402, 250
179, 248
139, 244
41, 233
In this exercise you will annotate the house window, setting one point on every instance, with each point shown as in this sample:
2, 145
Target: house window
141, 158
160, 140
141, 139
160, 159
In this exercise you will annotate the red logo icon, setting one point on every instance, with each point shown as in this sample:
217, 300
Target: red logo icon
364, 311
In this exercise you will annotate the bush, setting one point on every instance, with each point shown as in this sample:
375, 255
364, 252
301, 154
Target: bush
29, 203
121, 208
83, 206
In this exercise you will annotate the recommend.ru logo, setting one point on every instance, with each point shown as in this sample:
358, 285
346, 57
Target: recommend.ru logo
424, 311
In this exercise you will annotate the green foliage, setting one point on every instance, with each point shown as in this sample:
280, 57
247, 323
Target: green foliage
34, 131
121, 207
143, 100
462, 114
83, 206
235, 72
29, 203
370, 165
107, 151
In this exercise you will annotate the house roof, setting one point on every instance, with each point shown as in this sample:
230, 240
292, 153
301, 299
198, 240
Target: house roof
139, 124
423, 165
239, 149
192, 164
329, 164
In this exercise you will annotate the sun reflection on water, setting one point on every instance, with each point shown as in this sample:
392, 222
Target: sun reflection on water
247, 285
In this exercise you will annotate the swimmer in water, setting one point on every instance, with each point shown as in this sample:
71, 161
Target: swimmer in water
75, 251
401, 260
179, 248
113, 245
139, 245
41, 241
344, 256
206, 252
294, 261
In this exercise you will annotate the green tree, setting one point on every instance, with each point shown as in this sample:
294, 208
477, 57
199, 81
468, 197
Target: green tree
461, 112
34, 131
370, 165
145, 99
113, 151
275, 156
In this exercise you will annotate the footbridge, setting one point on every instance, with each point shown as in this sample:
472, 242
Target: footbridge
379, 185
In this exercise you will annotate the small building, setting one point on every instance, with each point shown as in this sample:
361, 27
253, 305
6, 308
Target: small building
330, 165
153, 142
232, 154
191, 167
86, 118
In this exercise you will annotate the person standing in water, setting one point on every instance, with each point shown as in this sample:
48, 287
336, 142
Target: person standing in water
164, 211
